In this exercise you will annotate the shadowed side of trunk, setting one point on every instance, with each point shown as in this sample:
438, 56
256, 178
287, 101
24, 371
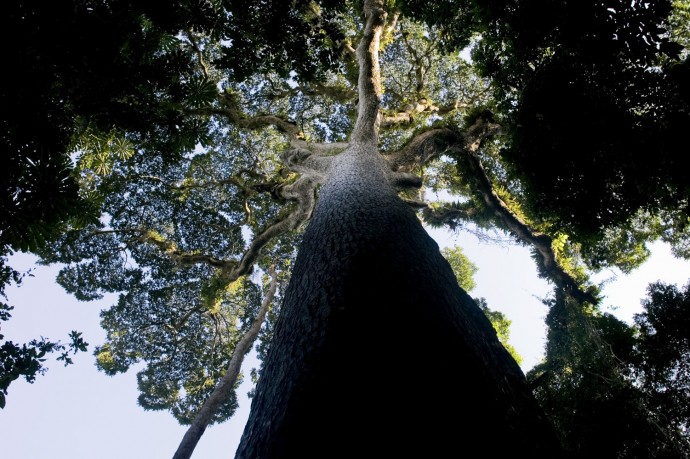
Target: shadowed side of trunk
378, 350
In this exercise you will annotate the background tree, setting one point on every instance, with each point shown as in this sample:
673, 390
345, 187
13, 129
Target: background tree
661, 352
616, 389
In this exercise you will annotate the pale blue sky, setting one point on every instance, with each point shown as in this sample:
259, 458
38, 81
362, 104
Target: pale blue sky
79, 413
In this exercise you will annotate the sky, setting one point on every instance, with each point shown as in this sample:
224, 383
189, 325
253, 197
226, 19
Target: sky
78, 413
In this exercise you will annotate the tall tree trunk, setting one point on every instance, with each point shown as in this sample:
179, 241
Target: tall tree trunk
377, 350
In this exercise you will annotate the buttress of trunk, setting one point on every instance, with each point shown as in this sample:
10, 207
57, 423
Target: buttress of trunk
378, 352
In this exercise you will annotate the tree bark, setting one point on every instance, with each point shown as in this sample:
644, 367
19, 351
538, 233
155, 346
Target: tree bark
377, 348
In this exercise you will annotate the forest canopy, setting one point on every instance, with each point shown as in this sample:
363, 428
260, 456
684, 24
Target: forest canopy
175, 156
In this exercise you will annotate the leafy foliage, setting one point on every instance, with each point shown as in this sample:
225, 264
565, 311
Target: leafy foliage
501, 324
663, 352
27, 360
185, 342
463, 268
300, 36
594, 385
611, 66
177, 310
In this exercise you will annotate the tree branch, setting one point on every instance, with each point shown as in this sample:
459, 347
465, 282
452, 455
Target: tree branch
541, 242
423, 148
305, 162
180, 257
198, 52
369, 82
321, 149
421, 106
418, 68
301, 191
435, 142
229, 108
449, 214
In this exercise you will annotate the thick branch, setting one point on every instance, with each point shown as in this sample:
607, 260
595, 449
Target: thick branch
391, 25
420, 107
423, 148
542, 243
301, 191
322, 149
225, 386
450, 213
433, 143
404, 181
306, 162
369, 82
228, 107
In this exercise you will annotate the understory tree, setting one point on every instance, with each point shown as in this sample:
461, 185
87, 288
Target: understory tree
257, 170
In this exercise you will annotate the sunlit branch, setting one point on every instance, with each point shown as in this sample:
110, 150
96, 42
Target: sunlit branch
227, 383
229, 109
199, 54
542, 243
421, 107
434, 143
391, 24
369, 82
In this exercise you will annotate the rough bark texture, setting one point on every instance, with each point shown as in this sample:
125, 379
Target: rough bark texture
378, 350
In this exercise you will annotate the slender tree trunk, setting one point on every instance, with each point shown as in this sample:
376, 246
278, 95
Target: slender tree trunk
378, 351
226, 385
